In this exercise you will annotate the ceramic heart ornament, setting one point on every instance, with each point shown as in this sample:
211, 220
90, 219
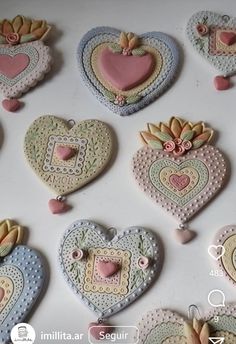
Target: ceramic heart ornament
225, 252
166, 327
108, 272
24, 59
66, 158
21, 278
126, 72
179, 170
214, 37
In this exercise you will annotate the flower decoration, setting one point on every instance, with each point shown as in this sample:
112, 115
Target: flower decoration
119, 100
22, 30
202, 29
129, 44
197, 333
77, 254
176, 137
10, 236
143, 262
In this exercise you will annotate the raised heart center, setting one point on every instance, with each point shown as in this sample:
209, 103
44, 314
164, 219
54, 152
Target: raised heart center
228, 38
107, 269
11, 66
125, 72
179, 182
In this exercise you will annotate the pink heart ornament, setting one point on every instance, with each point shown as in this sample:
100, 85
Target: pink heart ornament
64, 152
228, 38
179, 182
99, 330
11, 105
125, 72
221, 83
11, 66
57, 207
107, 269
184, 236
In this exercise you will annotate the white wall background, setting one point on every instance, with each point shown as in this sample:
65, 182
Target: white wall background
114, 199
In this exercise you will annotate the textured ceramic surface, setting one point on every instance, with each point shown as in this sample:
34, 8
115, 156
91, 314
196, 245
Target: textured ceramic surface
127, 91
212, 45
226, 237
21, 281
167, 327
91, 140
86, 245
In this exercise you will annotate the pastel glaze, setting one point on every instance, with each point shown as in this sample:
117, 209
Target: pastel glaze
179, 182
57, 207
11, 105
107, 269
228, 38
64, 152
11, 66
221, 83
125, 72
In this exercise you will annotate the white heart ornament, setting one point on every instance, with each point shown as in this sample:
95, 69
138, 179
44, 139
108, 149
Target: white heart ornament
178, 171
225, 240
90, 141
24, 59
126, 72
214, 37
107, 294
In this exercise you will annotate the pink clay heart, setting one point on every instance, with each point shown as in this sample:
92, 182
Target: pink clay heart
64, 152
97, 330
221, 83
125, 72
11, 66
2, 294
11, 105
228, 38
184, 235
179, 182
107, 269
57, 207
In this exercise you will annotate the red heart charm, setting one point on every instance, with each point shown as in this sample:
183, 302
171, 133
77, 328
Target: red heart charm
11, 105
221, 83
179, 182
57, 207
184, 235
125, 72
98, 331
64, 152
11, 66
228, 38
107, 269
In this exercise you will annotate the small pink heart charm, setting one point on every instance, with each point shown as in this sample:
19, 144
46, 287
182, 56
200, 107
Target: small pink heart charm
2, 293
184, 235
107, 269
179, 182
99, 330
228, 38
64, 152
11, 105
57, 207
221, 83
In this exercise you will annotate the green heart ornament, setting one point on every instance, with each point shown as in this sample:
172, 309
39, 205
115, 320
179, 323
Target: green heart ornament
67, 157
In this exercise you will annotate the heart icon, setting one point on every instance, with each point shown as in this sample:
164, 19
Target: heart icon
216, 251
21, 280
91, 144
108, 277
162, 326
215, 40
225, 248
126, 72
21, 66
11, 105
179, 182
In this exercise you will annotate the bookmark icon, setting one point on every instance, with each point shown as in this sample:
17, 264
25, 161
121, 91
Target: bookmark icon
217, 340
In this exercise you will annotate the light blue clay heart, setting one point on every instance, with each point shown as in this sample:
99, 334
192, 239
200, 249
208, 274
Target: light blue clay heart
21, 281
166, 56
136, 251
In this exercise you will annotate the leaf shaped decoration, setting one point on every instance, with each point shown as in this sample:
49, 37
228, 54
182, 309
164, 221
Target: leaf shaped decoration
163, 136
155, 144
133, 99
187, 135
115, 48
198, 143
5, 249
111, 96
175, 126
138, 52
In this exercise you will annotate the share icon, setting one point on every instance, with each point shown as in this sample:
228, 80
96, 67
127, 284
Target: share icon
216, 340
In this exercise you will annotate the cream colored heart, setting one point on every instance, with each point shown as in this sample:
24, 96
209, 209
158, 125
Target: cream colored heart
180, 182
6, 292
90, 139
